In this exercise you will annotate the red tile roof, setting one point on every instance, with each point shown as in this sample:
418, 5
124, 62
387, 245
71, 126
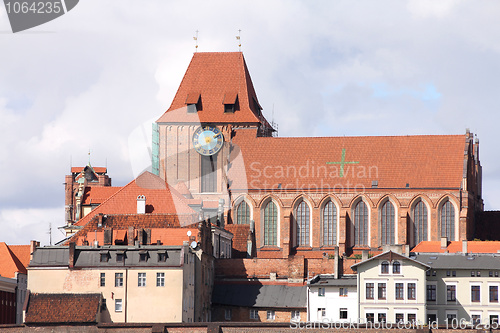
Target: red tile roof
120, 224
456, 247
213, 76
62, 308
422, 161
96, 169
10, 263
160, 199
98, 194
240, 236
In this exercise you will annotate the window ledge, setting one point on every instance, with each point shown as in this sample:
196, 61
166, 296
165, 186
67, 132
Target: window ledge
270, 248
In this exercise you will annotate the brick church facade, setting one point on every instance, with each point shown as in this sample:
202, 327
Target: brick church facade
307, 196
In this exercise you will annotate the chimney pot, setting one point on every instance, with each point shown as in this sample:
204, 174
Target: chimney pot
444, 242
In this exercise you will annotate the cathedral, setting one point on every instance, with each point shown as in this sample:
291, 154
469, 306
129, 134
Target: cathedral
309, 195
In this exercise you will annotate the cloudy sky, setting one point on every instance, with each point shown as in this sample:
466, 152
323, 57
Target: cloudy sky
98, 76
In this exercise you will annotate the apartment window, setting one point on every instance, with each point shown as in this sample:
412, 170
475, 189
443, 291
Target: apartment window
494, 294
103, 279
385, 267
343, 292
160, 279
476, 319
343, 313
431, 292
490, 274
494, 320
370, 317
475, 293
453, 273
321, 291
478, 273
382, 318
227, 314
472, 273
270, 315
295, 315
399, 291
381, 291
118, 305
118, 279
321, 313
412, 294
433, 273
451, 293
412, 317
396, 267
448, 273
496, 273
400, 317
254, 314
103, 305
369, 291
141, 279
428, 273
450, 317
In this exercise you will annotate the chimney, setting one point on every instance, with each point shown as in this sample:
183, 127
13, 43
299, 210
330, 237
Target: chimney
336, 268
33, 245
444, 242
364, 255
100, 220
71, 260
141, 204
130, 235
464, 246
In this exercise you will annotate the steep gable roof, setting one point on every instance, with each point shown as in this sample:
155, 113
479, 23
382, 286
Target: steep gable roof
214, 77
63, 308
10, 264
160, 199
421, 161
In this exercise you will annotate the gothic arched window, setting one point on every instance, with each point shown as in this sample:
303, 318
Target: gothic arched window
243, 213
270, 224
448, 220
302, 217
361, 224
387, 223
420, 222
329, 224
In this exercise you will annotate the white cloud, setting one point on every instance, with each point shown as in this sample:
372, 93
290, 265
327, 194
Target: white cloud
88, 79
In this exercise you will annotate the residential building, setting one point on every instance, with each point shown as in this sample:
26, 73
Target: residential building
392, 289
13, 281
462, 289
332, 299
149, 283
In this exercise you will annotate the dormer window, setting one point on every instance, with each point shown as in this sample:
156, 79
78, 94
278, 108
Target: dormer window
396, 267
143, 256
104, 256
120, 256
193, 102
230, 102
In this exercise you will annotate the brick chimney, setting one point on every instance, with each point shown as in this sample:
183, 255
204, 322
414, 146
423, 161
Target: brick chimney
464, 246
33, 245
71, 259
141, 204
444, 242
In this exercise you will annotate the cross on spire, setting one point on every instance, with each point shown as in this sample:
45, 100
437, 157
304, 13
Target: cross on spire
196, 40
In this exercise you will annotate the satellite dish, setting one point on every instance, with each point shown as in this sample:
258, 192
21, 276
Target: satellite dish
189, 233
194, 244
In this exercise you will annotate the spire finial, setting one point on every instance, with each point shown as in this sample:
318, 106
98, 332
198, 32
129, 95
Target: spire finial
89, 156
238, 38
196, 40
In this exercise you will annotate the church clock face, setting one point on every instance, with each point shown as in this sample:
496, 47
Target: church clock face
207, 140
